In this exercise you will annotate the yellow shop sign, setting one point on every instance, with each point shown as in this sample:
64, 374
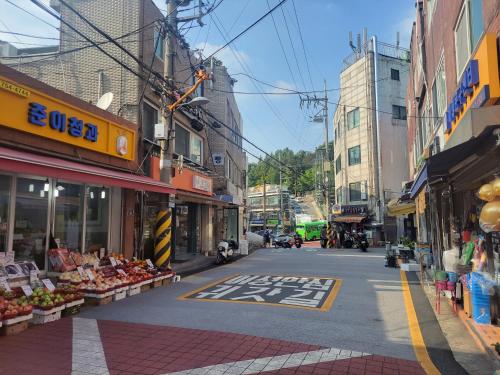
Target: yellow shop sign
34, 112
479, 86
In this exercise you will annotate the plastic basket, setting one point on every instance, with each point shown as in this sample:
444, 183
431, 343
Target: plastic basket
452, 277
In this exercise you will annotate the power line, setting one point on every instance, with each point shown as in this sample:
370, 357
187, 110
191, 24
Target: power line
282, 48
293, 50
244, 31
303, 45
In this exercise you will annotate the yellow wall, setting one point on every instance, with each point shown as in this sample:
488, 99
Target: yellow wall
15, 102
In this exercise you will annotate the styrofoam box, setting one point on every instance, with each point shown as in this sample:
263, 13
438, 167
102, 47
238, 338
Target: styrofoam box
134, 290
75, 303
42, 319
120, 295
17, 319
409, 267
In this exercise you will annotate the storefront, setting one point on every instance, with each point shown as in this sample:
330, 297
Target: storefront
67, 174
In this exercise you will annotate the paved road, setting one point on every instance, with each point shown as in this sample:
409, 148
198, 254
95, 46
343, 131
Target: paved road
350, 319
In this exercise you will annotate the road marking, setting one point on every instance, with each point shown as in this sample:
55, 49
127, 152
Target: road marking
314, 293
415, 332
353, 255
258, 365
88, 353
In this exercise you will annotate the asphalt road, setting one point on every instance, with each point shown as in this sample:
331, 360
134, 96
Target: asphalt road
368, 314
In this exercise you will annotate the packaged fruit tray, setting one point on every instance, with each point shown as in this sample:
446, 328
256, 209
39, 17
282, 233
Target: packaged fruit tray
38, 311
17, 319
75, 303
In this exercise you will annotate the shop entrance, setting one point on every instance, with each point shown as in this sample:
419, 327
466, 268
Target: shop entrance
187, 234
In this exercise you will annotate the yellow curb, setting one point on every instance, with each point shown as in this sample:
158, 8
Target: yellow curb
416, 334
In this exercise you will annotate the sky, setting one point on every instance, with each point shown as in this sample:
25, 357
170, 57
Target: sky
270, 121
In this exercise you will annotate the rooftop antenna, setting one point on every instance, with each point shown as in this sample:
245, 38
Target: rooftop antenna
365, 39
351, 44
359, 43
105, 101
397, 40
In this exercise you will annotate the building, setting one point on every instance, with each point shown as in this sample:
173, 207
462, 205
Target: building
453, 95
84, 71
228, 159
68, 174
276, 201
370, 154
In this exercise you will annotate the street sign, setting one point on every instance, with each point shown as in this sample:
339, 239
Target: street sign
316, 293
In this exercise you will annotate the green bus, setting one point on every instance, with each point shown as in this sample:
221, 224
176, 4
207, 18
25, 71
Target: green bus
310, 231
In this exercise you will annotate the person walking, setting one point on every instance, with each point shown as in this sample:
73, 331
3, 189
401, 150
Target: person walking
341, 237
334, 238
267, 238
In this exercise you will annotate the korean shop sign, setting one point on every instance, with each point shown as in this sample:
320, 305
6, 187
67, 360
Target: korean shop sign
35, 112
313, 293
479, 85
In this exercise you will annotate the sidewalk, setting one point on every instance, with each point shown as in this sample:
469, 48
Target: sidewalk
468, 349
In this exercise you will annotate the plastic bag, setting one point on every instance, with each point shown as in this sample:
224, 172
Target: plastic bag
484, 280
468, 252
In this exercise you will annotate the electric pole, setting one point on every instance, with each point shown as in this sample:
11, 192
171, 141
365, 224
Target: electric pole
281, 197
323, 102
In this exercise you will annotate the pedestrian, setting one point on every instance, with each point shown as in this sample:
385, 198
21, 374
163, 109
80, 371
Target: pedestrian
267, 238
334, 238
341, 236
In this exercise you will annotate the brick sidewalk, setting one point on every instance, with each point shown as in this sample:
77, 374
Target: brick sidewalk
128, 348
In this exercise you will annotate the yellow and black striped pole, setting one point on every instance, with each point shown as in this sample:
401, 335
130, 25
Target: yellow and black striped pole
329, 235
163, 238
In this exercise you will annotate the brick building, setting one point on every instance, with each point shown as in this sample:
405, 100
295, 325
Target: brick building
85, 72
452, 97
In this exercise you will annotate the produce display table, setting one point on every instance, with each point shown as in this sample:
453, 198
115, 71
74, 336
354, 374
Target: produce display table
98, 299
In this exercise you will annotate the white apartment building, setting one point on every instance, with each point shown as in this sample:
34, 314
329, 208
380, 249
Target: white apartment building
370, 150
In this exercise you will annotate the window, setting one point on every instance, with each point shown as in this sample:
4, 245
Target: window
159, 42
150, 117
68, 220
5, 183
196, 153
273, 200
476, 21
182, 141
339, 196
353, 119
96, 228
395, 74
431, 5
338, 164
439, 93
338, 131
255, 201
468, 31
398, 112
355, 191
30, 223
354, 155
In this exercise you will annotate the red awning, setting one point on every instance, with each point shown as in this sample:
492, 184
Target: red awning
45, 166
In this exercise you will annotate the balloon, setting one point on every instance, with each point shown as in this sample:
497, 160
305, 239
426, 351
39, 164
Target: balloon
489, 219
496, 186
486, 193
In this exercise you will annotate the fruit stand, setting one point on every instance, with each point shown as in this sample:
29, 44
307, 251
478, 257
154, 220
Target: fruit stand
88, 282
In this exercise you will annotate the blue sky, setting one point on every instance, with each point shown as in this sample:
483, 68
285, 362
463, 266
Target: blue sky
271, 121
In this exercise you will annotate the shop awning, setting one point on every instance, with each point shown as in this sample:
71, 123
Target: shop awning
200, 198
396, 207
349, 218
46, 166
419, 182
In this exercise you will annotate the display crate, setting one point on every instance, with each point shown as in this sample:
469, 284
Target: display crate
45, 316
120, 295
15, 328
134, 289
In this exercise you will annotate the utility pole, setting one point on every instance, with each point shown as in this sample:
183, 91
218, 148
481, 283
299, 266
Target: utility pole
323, 102
265, 205
281, 197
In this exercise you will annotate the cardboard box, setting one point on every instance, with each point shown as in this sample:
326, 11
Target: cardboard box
14, 329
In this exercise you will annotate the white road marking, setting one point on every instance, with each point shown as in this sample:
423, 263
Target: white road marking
353, 255
255, 366
88, 354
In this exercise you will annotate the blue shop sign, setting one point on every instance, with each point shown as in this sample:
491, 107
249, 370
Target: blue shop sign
58, 121
464, 91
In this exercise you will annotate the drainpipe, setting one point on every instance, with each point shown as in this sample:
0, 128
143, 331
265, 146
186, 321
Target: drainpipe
377, 120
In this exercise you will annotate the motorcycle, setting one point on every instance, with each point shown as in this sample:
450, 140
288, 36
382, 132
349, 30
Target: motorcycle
225, 251
348, 241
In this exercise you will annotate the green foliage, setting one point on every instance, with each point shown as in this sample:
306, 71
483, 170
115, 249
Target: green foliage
300, 180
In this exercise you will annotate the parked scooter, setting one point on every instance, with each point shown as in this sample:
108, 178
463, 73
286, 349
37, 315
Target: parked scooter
225, 251
348, 241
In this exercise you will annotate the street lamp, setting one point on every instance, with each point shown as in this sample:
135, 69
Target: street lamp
196, 102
